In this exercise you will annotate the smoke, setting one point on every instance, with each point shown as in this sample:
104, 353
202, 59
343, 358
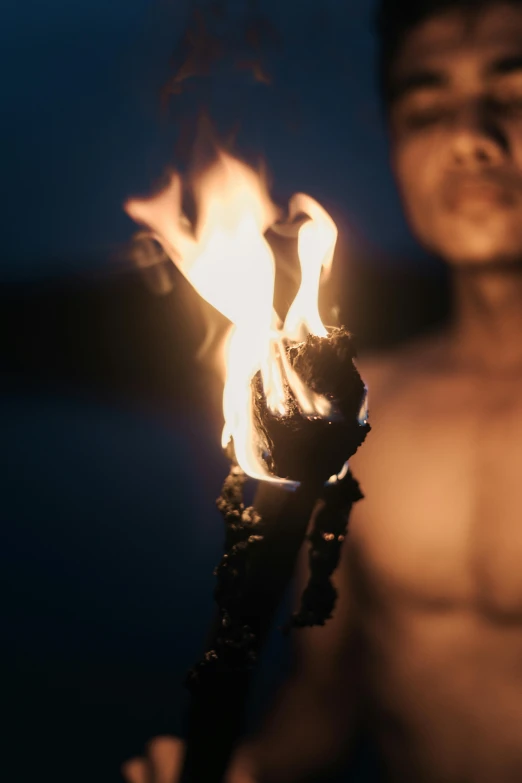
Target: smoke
222, 33
222, 40
226, 48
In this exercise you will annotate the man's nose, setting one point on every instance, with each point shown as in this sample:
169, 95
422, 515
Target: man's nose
477, 140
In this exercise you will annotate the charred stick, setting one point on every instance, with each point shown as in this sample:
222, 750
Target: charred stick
220, 683
326, 539
262, 542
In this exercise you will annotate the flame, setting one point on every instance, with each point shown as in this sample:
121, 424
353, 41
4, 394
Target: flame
227, 259
315, 246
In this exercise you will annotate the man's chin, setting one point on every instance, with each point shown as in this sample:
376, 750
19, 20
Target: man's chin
470, 257
479, 245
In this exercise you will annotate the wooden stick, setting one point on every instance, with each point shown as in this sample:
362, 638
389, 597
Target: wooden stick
221, 690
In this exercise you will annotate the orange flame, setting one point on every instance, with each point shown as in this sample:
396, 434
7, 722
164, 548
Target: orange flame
228, 260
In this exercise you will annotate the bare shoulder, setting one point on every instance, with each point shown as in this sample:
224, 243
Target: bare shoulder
401, 384
376, 370
385, 371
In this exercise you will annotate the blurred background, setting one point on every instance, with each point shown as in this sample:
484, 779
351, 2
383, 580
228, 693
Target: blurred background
110, 427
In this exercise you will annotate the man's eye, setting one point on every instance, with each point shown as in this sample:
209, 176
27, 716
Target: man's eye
416, 119
509, 105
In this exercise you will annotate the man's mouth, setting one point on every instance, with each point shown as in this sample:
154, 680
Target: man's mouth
476, 192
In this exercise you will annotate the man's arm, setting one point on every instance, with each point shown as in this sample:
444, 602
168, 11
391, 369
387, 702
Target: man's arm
312, 723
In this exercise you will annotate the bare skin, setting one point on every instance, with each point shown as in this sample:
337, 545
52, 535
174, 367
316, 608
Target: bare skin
425, 648
436, 546
434, 560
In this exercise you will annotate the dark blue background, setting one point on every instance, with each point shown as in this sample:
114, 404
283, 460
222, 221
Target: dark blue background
111, 458
80, 130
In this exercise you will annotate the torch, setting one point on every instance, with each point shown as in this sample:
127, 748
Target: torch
295, 411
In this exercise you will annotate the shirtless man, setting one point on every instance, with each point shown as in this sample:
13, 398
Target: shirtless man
425, 649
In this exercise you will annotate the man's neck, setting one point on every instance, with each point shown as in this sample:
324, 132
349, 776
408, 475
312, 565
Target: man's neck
486, 332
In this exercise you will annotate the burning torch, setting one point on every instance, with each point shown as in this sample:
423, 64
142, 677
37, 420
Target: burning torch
294, 409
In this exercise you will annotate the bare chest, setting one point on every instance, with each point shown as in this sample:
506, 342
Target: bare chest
441, 522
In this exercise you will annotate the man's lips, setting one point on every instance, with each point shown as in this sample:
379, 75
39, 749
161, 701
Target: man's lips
476, 191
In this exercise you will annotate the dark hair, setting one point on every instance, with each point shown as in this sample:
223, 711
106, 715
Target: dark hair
395, 18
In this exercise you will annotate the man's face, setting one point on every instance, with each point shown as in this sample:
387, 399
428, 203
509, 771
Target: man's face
456, 134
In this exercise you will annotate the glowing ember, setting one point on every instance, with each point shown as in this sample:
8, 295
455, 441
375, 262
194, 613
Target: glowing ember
227, 259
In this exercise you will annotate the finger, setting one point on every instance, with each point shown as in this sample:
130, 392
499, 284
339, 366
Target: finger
242, 768
166, 758
137, 770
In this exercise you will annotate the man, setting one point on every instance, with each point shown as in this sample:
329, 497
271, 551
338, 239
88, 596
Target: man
425, 649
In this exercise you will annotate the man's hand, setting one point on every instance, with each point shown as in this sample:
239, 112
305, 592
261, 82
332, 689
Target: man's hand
163, 763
